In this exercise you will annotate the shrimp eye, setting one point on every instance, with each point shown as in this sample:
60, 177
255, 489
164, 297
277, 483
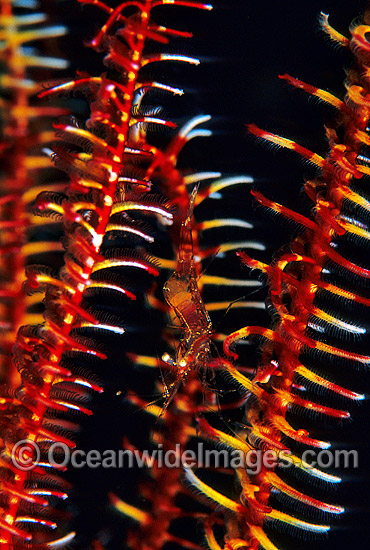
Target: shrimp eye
166, 358
182, 363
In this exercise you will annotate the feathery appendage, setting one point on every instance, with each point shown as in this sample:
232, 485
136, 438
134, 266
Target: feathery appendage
317, 293
93, 302
26, 129
99, 201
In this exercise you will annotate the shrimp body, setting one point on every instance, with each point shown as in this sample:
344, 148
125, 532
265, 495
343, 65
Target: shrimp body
182, 294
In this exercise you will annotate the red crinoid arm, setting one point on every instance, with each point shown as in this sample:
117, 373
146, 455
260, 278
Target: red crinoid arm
312, 90
316, 159
307, 330
97, 201
25, 131
43, 353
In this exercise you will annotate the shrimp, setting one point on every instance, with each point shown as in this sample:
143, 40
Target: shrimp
182, 294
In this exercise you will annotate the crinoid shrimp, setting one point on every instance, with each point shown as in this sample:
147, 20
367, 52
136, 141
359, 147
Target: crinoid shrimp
182, 294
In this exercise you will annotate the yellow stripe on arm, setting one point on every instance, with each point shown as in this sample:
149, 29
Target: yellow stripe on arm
127, 509
217, 306
316, 159
163, 263
217, 498
210, 537
312, 90
244, 381
331, 32
221, 437
220, 184
262, 538
228, 222
224, 281
42, 247
290, 520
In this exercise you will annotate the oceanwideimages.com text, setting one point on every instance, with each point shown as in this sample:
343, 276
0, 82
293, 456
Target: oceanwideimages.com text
26, 455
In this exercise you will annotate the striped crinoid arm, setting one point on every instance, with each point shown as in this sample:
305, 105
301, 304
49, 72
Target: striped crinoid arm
103, 199
25, 131
318, 298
